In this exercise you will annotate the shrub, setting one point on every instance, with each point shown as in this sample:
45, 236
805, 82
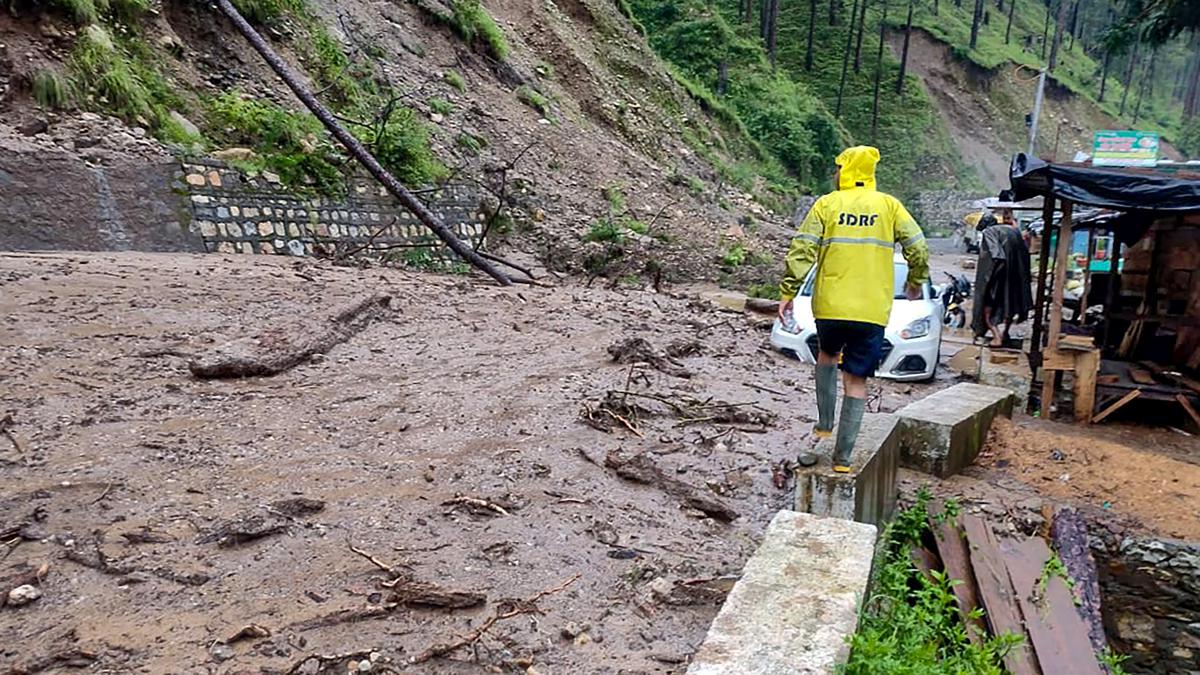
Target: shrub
606, 230
471, 143
734, 257
472, 22
534, 99
455, 80
52, 89
403, 148
106, 73
767, 290
82, 11
440, 106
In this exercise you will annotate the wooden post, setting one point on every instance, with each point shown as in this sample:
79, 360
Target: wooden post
1039, 305
1087, 367
1062, 256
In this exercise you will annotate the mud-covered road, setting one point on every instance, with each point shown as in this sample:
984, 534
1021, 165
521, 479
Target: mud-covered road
125, 469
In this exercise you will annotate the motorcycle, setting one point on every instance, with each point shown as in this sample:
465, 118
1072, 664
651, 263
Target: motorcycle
953, 294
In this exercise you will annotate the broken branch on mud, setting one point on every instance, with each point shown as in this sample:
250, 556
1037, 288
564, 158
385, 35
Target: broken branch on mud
278, 349
476, 504
640, 468
505, 609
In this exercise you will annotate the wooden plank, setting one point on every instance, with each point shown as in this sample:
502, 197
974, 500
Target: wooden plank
1087, 367
1058, 359
956, 561
1140, 376
1059, 635
1179, 378
923, 560
1077, 342
997, 594
1039, 304
1062, 260
1191, 411
1116, 406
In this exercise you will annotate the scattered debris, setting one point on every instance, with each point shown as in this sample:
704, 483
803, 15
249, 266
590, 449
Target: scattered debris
616, 407
23, 595
97, 560
250, 632
686, 592
145, 535
275, 518
640, 468
221, 652
477, 505
638, 350
505, 609
282, 348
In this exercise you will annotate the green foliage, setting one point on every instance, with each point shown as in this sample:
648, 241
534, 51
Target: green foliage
268, 11
421, 258
472, 22
454, 79
52, 89
1189, 139
767, 290
1054, 568
109, 77
734, 257
614, 197
1113, 662
544, 70
911, 624
534, 99
173, 133
440, 106
82, 11
471, 143
288, 143
403, 147
606, 230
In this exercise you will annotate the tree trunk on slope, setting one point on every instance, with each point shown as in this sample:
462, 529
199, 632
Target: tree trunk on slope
772, 30
975, 23
1058, 34
1147, 84
812, 29
878, 76
1012, 5
1133, 56
845, 61
356, 149
1046, 30
904, 51
862, 27
1104, 73
747, 11
835, 7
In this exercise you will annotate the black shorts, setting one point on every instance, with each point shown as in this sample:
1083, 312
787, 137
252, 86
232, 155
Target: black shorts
859, 343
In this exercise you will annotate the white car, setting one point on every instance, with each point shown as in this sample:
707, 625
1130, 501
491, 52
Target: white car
912, 339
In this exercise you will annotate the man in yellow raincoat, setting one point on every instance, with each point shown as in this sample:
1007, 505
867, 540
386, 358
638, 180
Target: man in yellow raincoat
850, 235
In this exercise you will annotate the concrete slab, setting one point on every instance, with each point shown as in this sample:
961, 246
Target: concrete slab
796, 603
866, 494
1007, 369
943, 433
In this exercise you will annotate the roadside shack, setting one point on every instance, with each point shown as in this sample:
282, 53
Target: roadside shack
1142, 338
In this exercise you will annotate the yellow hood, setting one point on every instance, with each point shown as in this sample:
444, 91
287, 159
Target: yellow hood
858, 167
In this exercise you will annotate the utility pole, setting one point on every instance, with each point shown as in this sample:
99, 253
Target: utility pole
1037, 111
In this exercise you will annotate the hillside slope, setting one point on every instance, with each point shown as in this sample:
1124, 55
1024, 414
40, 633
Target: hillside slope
617, 169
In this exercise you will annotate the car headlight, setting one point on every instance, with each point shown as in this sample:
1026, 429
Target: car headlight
917, 329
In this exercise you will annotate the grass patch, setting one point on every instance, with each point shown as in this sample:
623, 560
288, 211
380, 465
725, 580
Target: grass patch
606, 231
52, 89
440, 106
735, 256
767, 290
534, 99
911, 622
473, 23
265, 12
454, 79
471, 143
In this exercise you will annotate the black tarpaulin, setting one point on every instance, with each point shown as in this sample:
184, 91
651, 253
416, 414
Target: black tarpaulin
1125, 190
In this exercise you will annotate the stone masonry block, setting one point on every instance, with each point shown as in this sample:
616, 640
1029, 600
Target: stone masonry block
942, 433
796, 602
866, 494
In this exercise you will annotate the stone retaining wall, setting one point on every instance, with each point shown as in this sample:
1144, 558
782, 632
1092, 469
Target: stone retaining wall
1150, 590
236, 213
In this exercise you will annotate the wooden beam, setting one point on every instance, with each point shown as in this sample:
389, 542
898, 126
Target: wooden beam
1039, 305
1116, 406
998, 595
1187, 405
1062, 260
1110, 303
1087, 367
1087, 279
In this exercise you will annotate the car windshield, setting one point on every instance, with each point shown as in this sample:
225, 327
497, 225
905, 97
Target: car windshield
899, 278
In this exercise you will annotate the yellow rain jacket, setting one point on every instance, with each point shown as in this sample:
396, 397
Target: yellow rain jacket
850, 235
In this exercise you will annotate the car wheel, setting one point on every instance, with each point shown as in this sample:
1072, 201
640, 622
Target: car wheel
937, 361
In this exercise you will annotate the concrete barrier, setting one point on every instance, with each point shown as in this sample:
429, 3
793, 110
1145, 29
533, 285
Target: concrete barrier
943, 433
866, 494
796, 603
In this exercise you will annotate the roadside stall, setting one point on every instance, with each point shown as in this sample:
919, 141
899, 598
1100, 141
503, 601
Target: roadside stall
1145, 340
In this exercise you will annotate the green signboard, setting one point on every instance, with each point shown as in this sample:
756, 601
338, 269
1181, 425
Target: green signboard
1125, 148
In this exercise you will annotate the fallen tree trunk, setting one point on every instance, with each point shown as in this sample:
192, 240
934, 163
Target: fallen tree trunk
356, 149
279, 349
